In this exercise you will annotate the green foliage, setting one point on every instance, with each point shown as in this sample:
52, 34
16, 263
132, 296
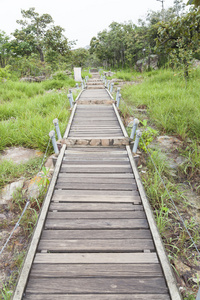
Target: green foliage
4, 73
180, 38
148, 135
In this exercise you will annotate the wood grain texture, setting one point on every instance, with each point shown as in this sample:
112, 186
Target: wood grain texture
95, 270
97, 285
96, 234
97, 215
96, 224
114, 245
30, 296
94, 206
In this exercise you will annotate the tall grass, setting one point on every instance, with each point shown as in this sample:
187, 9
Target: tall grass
27, 112
174, 107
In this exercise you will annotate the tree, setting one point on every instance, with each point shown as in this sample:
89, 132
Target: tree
180, 39
5, 49
38, 34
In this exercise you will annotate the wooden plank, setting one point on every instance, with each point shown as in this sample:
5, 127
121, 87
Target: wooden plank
96, 224
169, 275
97, 297
96, 186
97, 163
100, 176
96, 258
96, 234
97, 215
100, 199
95, 193
97, 285
114, 245
96, 180
18, 294
94, 206
95, 270
91, 169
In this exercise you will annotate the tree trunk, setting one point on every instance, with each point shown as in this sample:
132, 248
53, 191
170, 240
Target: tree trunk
41, 53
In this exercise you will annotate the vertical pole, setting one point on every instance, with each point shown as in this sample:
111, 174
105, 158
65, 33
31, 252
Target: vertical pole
108, 85
135, 125
117, 95
55, 122
111, 87
70, 100
82, 85
118, 100
77, 85
52, 136
198, 295
105, 82
71, 95
136, 143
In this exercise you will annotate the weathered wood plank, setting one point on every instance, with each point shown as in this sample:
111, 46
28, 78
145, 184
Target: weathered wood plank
90, 169
100, 176
96, 224
114, 245
97, 297
94, 206
97, 285
98, 180
96, 258
96, 186
96, 162
98, 199
95, 270
97, 215
95, 193
96, 234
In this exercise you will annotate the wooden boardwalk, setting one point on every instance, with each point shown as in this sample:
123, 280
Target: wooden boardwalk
96, 237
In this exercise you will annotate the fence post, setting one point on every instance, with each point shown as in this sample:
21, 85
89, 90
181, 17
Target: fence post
198, 295
136, 143
111, 87
82, 85
71, 95
55, 122
70, 100
108, 85
118, 99
52, 136
117, 95
77, 85
135, 125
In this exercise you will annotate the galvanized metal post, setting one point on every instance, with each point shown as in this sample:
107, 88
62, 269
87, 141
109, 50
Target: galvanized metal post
55, 122
108, 85
52, 136
118, 99
77, 85
70, 92
82, 85
136, 143
135, 125
105, 82
111, 87
70, 100
117, 95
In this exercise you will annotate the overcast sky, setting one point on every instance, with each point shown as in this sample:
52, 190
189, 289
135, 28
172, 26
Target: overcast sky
81, 19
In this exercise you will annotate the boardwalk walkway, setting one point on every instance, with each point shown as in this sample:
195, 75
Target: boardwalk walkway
95, 237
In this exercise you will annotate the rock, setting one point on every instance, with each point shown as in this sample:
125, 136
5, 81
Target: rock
33, 79
2, 217
68, 142
8, 190
19, 154
105, 143
82, 142
169, 142
95, 142
34, 187
148, 62
196, 63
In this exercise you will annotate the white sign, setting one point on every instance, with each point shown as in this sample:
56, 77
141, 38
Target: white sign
77, 74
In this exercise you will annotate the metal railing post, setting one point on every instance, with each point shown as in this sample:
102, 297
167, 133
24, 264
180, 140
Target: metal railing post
108, 85
70, 92
82, 85
52, 136
136, 143
117, 95
56, 124
198, 295
70, 100
118, 99
111, 87
134, 128
77, 85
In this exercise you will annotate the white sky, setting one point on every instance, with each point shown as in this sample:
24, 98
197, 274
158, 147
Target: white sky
81, 19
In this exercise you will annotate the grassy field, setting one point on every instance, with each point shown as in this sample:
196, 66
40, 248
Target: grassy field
27, 111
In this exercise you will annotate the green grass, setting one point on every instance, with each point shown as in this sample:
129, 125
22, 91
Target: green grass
174, 108
26, 115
